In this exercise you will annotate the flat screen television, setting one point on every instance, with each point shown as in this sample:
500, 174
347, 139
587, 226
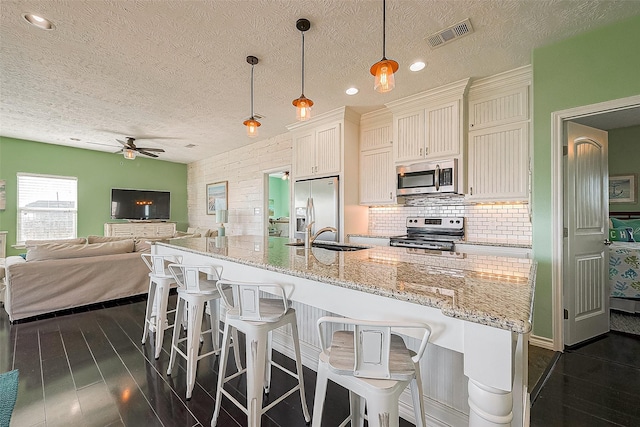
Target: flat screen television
140, 204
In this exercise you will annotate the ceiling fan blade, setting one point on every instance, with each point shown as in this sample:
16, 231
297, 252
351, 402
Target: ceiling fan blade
155, 150
122, 142
146, 153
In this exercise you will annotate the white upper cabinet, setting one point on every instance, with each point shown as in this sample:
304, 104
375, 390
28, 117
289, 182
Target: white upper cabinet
498, 159
317, 151
429, 125
498, 108
377, 168
498, 163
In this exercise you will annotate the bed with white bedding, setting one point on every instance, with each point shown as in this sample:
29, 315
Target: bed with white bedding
624, 273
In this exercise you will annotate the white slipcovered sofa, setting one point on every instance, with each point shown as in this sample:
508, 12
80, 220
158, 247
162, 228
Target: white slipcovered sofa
59, 275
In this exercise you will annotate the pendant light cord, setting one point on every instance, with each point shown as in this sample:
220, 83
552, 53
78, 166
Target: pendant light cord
252, 91
302, 63
384, 29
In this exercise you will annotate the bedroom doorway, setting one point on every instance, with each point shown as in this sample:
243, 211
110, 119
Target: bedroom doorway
607, 116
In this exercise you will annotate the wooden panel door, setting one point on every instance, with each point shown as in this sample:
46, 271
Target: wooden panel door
443, 131
586, 258
409, 136
377, 177
498, 163
328, 149
499, 108
304, 150
375, 137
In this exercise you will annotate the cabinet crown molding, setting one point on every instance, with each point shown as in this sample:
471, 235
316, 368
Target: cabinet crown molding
448, 92
376, 117
341, 113
517, 77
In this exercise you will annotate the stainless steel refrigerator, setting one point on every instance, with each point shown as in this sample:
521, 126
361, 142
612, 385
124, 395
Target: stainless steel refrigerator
317, 200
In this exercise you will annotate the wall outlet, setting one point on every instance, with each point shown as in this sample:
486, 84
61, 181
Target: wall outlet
256, 211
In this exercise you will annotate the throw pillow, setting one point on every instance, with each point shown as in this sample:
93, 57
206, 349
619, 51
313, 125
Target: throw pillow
621, 234
624, 223
104, 239
8, 395
64, 251
31, 243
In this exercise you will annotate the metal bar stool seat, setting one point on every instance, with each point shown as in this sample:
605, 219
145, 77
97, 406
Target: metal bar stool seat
196, 288
257, 317
375, 365
160, 281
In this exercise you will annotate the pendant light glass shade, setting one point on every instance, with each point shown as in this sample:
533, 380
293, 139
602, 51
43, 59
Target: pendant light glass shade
129, 154
303, 104
251, 123
384, 69
252, 127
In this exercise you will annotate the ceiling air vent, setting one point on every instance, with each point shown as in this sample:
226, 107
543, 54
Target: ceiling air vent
189, 145
451, 33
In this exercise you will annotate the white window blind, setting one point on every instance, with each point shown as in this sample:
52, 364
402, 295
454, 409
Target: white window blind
47, 207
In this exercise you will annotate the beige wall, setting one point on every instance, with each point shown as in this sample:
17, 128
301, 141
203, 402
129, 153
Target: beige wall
244, 170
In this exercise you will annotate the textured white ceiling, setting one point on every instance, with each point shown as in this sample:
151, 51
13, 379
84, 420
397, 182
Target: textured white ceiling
176, 70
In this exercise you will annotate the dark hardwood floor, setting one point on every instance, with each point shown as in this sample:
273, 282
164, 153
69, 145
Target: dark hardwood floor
594, 384
88, 367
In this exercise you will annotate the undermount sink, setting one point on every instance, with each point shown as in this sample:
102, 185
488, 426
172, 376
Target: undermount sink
331, 246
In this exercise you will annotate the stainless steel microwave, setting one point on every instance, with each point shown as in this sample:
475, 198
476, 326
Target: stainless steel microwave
427, 178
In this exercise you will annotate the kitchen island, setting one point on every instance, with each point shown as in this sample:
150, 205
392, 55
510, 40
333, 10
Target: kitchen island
478, 306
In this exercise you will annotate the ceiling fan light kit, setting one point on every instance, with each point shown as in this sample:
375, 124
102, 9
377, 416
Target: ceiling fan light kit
129, 154
130, 150
251, 123
303, 104
384, 69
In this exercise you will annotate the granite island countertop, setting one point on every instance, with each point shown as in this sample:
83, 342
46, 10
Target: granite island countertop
489, 290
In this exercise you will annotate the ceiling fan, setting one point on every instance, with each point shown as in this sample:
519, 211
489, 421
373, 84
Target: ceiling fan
129, 149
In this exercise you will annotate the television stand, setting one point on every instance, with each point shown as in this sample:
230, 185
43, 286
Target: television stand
140, 229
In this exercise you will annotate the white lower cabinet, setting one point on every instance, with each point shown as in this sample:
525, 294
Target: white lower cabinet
140, 229
377, 177
498, 163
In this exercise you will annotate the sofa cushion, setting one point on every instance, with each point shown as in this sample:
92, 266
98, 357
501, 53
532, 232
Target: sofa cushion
103, 239
76, 241
66, 250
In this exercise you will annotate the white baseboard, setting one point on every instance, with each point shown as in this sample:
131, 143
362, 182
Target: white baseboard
541, 342
437, 414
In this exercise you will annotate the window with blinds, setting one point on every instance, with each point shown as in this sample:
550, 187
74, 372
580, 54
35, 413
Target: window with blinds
47, 207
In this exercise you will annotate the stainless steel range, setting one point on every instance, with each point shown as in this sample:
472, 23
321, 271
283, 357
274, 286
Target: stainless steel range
431, 233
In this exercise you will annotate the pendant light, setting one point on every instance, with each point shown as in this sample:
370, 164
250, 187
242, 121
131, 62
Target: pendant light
251, 123
303, 104
384, 69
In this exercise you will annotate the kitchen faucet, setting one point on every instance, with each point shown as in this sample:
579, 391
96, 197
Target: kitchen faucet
309, 239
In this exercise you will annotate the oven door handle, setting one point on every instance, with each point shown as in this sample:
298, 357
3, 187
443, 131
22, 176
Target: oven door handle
437, 180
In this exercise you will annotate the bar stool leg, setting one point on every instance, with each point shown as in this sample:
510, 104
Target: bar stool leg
321, 391
299, 368
256, 356
214, 319
176, 334
149, 310
194, 313
224, 355
418, 400
267, 364
161, 314
356, 408
383, 411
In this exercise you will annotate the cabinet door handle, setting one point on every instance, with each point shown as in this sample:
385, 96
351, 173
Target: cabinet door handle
471, 190
390, 195
421, 151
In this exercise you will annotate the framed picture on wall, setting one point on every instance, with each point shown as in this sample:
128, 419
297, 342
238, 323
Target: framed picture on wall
3, 194
216, 197
623, 188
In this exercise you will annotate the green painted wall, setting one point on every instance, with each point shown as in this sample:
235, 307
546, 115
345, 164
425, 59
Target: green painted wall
624, 159
279, 193
593, 67
97, 173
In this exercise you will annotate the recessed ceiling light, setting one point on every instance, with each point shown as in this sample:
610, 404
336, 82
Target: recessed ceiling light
351, 91
417, 66
38, 21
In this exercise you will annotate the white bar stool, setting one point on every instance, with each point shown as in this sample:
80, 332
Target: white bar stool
196, 287
160, 280
375, 365
256, 317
